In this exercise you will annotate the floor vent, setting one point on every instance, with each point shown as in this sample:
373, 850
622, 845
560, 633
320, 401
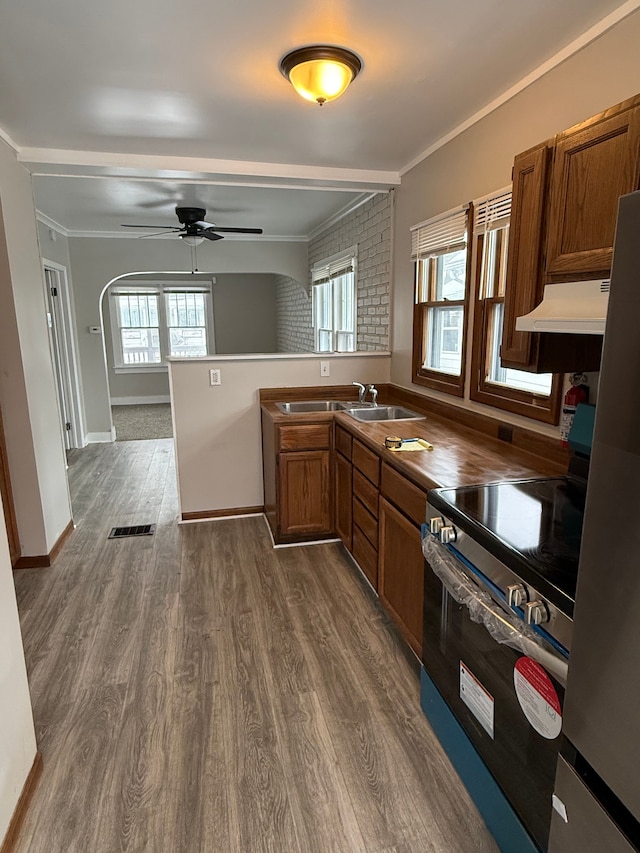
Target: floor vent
135, 530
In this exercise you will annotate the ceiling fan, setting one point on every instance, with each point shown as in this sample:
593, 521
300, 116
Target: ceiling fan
193, 227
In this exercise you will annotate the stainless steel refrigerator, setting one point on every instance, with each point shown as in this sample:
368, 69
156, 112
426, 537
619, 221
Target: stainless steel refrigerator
597, 790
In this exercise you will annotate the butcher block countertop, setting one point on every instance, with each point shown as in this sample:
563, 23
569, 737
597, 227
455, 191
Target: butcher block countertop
461, 456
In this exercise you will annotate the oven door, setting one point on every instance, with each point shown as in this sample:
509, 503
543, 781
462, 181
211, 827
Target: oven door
508, 700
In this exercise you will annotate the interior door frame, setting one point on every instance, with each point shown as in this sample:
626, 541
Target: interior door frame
64, 330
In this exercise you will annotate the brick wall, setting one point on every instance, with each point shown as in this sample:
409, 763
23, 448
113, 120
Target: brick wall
293, 310
368, 228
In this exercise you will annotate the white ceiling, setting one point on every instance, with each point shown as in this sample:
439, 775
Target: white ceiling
171, 80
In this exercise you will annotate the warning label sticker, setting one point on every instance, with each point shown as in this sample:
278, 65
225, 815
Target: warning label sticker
537, 697
478, 700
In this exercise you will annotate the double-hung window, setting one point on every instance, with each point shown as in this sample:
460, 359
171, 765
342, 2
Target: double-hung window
333, 288
531, 394
151, 322
439, 250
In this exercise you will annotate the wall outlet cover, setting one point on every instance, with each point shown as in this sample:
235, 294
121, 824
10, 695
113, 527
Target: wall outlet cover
215, 376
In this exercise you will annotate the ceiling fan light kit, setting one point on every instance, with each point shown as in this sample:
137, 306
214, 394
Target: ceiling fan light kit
320, 72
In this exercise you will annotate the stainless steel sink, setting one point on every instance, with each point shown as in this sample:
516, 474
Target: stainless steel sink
302, 406
313, 406
384, 413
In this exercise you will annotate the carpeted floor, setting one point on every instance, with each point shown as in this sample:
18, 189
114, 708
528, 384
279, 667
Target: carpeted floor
134, 423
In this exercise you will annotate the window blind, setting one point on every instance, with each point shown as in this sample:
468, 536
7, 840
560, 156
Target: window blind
492, 211
443, 233
332, 268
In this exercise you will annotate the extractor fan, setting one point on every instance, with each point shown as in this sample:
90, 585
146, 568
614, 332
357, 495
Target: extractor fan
193, 226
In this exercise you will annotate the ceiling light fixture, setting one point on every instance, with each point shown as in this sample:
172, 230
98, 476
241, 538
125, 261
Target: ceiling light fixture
192, 240
320, 72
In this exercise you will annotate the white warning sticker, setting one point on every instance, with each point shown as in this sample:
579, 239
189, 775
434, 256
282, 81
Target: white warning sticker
478, 700
537, 697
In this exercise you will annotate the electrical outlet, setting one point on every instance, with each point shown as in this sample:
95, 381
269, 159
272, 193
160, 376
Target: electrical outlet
215, 376
325, 368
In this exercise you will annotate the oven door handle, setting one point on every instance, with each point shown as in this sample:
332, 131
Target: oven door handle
504, 627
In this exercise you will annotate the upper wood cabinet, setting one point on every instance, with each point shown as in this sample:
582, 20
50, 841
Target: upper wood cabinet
565, 203
523, 289
594, 164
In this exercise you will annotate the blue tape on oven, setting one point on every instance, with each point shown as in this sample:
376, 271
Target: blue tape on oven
485, 581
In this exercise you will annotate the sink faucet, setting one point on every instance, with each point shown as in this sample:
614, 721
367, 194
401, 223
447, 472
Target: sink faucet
362, 391
374, 394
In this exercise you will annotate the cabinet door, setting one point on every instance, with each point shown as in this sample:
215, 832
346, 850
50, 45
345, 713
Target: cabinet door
401, 573
305, 493
523, 289
343, 499
593, 166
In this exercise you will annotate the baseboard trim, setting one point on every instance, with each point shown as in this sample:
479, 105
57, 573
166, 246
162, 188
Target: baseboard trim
43, 561
100, 437
231, 512
140, 401
22, 807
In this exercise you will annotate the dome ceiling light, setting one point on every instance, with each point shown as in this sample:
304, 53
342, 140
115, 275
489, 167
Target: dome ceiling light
320, 72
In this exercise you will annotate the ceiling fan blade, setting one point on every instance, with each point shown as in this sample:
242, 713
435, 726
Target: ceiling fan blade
159, 233
235, 230
163, 227
208, 234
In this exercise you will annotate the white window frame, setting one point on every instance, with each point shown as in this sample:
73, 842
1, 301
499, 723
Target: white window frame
325, 276
161, 290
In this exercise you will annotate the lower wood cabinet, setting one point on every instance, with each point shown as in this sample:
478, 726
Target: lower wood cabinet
343, 488
401, 572
305, 493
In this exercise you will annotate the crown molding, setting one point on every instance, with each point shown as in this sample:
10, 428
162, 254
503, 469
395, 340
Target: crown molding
51, 223
10, 142
569, 50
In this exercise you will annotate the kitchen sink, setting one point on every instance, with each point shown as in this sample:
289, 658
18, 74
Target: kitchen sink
313, 406
302, 406
384, 413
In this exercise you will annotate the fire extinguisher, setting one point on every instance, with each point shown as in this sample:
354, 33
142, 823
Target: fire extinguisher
578, 393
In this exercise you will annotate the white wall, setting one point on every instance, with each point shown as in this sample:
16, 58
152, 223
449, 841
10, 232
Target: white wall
96, 261
480, 160
17, 736
28, 398
218, 431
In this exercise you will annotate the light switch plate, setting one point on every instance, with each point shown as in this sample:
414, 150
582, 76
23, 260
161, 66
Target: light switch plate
325, 368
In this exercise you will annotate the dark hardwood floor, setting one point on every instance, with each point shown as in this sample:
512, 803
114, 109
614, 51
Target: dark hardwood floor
199, 692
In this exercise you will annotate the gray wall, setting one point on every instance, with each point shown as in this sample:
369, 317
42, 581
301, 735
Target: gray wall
244, 313
96, 261
480, 160
368, 228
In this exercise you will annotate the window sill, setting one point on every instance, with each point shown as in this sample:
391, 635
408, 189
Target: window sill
142, 368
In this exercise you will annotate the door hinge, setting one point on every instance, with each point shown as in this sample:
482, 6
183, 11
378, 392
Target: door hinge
67, 426
54, 291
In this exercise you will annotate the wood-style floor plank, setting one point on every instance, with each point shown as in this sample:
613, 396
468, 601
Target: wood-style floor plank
200, 692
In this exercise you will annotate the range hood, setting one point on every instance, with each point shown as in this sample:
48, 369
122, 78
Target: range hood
579, 307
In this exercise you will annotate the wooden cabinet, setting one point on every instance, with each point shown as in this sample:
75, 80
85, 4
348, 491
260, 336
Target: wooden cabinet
366, 477
401, 564
564, 208
305, 493
298, 484
343, 499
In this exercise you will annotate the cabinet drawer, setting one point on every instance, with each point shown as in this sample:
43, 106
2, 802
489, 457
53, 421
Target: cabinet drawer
407, 497
366, 522
365, 556
305, 436
365, 460
343, 441
366, 491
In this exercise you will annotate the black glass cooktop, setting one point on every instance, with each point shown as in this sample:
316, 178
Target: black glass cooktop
536, 522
